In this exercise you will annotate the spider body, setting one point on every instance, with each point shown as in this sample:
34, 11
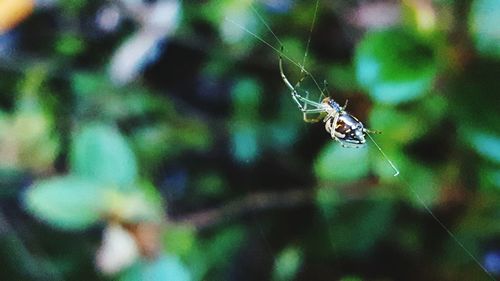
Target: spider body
341, 125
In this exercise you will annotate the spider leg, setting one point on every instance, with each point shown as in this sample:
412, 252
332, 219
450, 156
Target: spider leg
371, 131
345, 105
331, 126
306, 111
325, 90
295, 95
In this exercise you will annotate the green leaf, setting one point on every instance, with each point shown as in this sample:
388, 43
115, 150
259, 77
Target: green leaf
474, 99
244, 141
67, 202
343, 77
163, 268
246, 97
328, 199
485, 143
86, 84
398, 127
217, 253
394, 66
339, 164
70, 45
360, 226
287, 264
179, 239
484, 26
490, 179
100, 153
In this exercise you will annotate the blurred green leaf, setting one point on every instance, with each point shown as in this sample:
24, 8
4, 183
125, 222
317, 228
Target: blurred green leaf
474, 97
343, 77
424, 186
484, 25
244, 142
179, 239
133, 206
221, 13
100, 153
327, 200
163, 268
216, 253
73, 7
486, 144
70, 45
339, 164
287, 264
210, 185
394, 66
398, 127
490, 179
361, 225
70, 203
246, 97
87, 84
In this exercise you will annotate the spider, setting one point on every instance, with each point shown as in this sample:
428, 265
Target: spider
340, 124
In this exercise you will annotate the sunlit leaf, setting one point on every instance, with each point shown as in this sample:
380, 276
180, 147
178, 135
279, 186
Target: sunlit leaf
394, 66
163, 268
339, 164
397, 127
179, 240
244, 145
66, 202
287, 264
228, 15
484, 26
100, 153
486, 144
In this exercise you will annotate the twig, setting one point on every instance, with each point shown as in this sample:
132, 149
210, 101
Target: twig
248, 204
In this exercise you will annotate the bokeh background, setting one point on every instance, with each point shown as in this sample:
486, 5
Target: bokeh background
155, 140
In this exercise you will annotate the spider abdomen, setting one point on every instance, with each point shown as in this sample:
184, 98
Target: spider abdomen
346, 129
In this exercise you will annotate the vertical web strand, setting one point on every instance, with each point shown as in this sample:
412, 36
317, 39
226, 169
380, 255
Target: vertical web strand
279, 50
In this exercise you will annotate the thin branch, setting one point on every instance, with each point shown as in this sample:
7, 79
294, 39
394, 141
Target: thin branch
251, 203
262, 201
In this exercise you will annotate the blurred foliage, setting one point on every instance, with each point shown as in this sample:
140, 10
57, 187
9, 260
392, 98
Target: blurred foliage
156, 140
